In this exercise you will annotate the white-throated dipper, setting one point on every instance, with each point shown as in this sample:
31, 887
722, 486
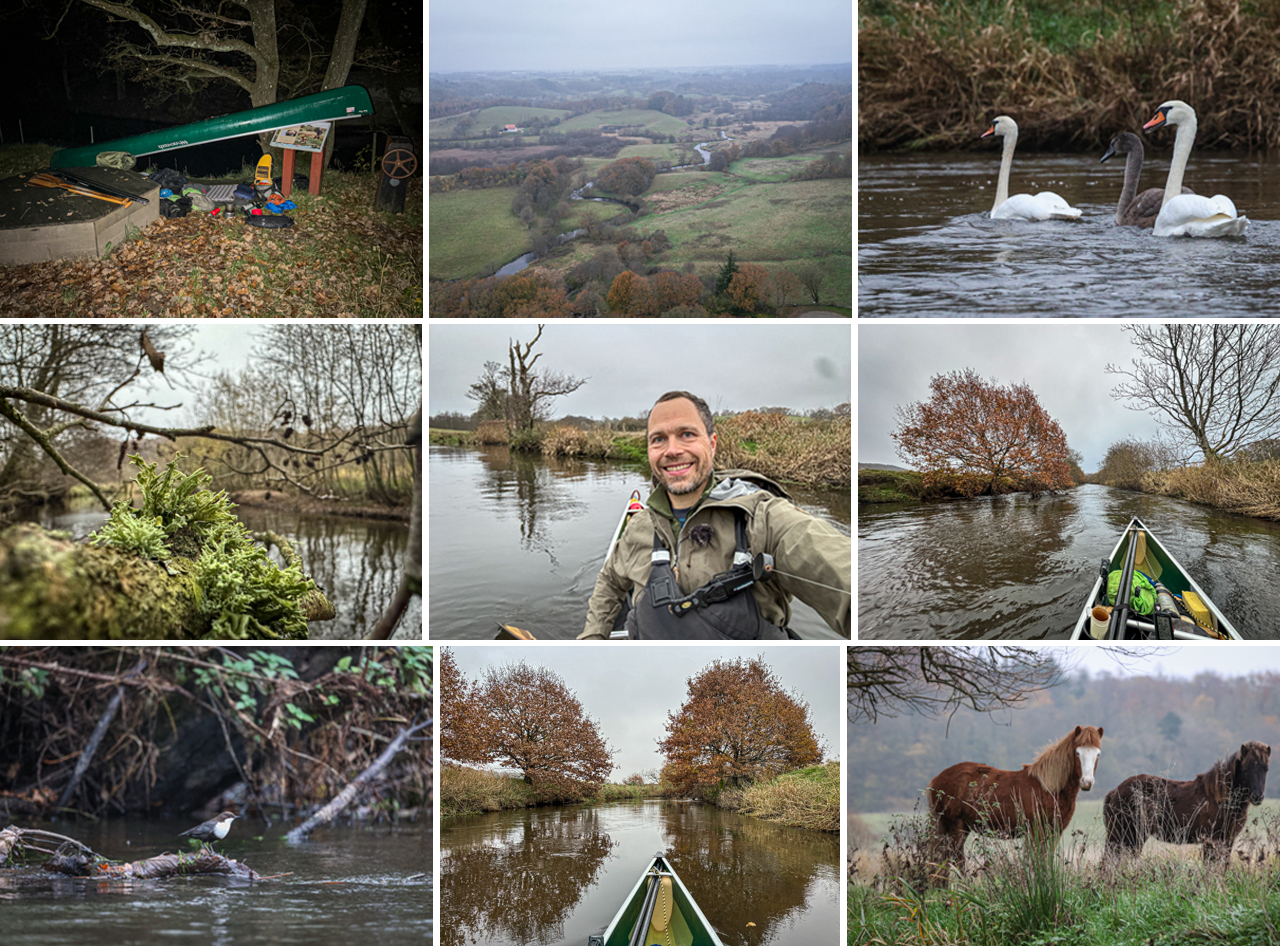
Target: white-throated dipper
215, 829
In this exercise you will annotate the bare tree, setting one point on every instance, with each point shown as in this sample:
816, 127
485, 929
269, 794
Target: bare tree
531, 391
934, 681
1214, 387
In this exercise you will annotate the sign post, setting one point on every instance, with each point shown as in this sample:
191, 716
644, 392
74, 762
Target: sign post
301, 138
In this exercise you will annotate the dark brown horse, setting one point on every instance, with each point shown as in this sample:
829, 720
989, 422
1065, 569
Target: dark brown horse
1040, 796
1210, 808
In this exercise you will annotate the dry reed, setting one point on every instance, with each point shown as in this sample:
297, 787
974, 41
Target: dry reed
815, 453
492, 432
932, 76
1252, 489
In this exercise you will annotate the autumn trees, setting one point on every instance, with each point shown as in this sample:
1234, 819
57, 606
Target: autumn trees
984, 436
628, 176
737, 727
523, 718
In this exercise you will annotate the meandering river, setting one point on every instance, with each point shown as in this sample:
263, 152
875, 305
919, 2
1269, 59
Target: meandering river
1011, 567
554, 876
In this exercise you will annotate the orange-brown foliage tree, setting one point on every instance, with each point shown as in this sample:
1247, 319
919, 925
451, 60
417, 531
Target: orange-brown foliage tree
750, 286
534, 723
737, 727
978, 432
676, 289
462, 736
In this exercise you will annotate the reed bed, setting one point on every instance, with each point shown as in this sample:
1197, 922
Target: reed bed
464, 790
1251, 489
933, 73
808, 798
788, 449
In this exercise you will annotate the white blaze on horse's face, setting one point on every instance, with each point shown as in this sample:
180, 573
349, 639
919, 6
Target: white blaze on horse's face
1089, 756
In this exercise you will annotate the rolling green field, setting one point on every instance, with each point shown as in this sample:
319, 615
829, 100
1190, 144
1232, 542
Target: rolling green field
499, 115
470, 230
659, 122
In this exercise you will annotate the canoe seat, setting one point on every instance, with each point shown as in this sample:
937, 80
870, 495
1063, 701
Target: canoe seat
668, 926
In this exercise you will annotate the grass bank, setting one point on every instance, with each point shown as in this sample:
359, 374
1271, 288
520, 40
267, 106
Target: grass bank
1251, 489
787, 449
1030, 894
931, 73
908, 486
468, 791
807, 798
458, 217
340, 259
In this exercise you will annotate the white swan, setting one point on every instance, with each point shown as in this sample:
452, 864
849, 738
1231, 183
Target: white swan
1134, 209
1190, 214
1045, 205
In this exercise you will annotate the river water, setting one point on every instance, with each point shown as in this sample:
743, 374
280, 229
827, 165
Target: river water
1013, 568
927, 248
358, 562
517, 539
344, 885
554, 876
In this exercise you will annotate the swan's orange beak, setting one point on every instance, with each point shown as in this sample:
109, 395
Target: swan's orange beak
1156, 121
990, 131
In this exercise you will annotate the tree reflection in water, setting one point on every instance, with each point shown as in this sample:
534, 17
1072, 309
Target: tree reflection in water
519, 884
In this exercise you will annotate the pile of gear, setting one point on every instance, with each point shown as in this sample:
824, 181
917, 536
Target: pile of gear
259, 204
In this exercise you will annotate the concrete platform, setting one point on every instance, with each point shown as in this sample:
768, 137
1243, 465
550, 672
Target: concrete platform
38, 224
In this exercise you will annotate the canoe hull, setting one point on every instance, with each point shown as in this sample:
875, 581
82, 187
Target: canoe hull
688, 925
351, 101
1171, 574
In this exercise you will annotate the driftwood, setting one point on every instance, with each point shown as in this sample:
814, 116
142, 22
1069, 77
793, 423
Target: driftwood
91, 749
75, 860
348, 794
52, 587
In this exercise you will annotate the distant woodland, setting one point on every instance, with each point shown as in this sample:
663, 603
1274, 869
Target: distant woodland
1172, 727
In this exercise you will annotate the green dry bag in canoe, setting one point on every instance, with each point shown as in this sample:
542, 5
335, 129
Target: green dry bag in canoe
1144, 595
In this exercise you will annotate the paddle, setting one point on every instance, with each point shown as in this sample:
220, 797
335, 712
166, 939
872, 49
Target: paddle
48, 180
94, 185
1118, 626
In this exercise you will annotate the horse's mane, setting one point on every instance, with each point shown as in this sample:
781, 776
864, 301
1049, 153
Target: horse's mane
1219, 779
1055, 763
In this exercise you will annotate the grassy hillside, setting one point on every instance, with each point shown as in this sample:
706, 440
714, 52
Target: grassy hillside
499, 115
653, 121
471, 230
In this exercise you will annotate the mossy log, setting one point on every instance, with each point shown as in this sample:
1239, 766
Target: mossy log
75, 860
53, 587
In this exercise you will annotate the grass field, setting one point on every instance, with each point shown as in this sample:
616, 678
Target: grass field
499, 115
470, 230
659, 122
1024, 894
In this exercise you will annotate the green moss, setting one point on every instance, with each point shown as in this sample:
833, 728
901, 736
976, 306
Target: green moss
238, 589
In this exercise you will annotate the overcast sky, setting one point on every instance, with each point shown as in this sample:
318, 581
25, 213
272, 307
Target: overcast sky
629, 689
732, 365
489, 35
1063, 361
1186, 660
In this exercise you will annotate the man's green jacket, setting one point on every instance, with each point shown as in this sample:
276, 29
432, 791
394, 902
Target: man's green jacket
800, 544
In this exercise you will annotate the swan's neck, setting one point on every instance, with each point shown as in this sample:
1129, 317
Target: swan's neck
1181, 152
1132, 171
1006, 162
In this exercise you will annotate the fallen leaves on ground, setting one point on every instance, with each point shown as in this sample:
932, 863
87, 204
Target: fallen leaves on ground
340, 259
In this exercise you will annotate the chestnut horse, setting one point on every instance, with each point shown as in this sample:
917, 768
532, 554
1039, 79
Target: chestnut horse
1041, 796
1210, 808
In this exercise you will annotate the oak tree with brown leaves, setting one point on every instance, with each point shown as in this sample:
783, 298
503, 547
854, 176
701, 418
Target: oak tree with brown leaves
525, 718
978, 432
737, 727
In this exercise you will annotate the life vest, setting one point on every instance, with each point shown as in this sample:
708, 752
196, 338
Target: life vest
722, 609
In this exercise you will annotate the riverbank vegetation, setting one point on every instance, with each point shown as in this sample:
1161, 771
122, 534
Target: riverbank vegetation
763, 759
974, 436
1245, 486
932, 74
294, 726
340, 259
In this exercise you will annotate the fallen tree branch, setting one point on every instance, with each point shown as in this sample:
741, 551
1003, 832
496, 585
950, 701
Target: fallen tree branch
91, 749
348, 794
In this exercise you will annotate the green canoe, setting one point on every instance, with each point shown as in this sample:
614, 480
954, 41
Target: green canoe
659, 909
350, 101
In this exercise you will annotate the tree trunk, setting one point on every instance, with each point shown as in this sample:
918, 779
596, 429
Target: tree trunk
51, 587
341, 57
